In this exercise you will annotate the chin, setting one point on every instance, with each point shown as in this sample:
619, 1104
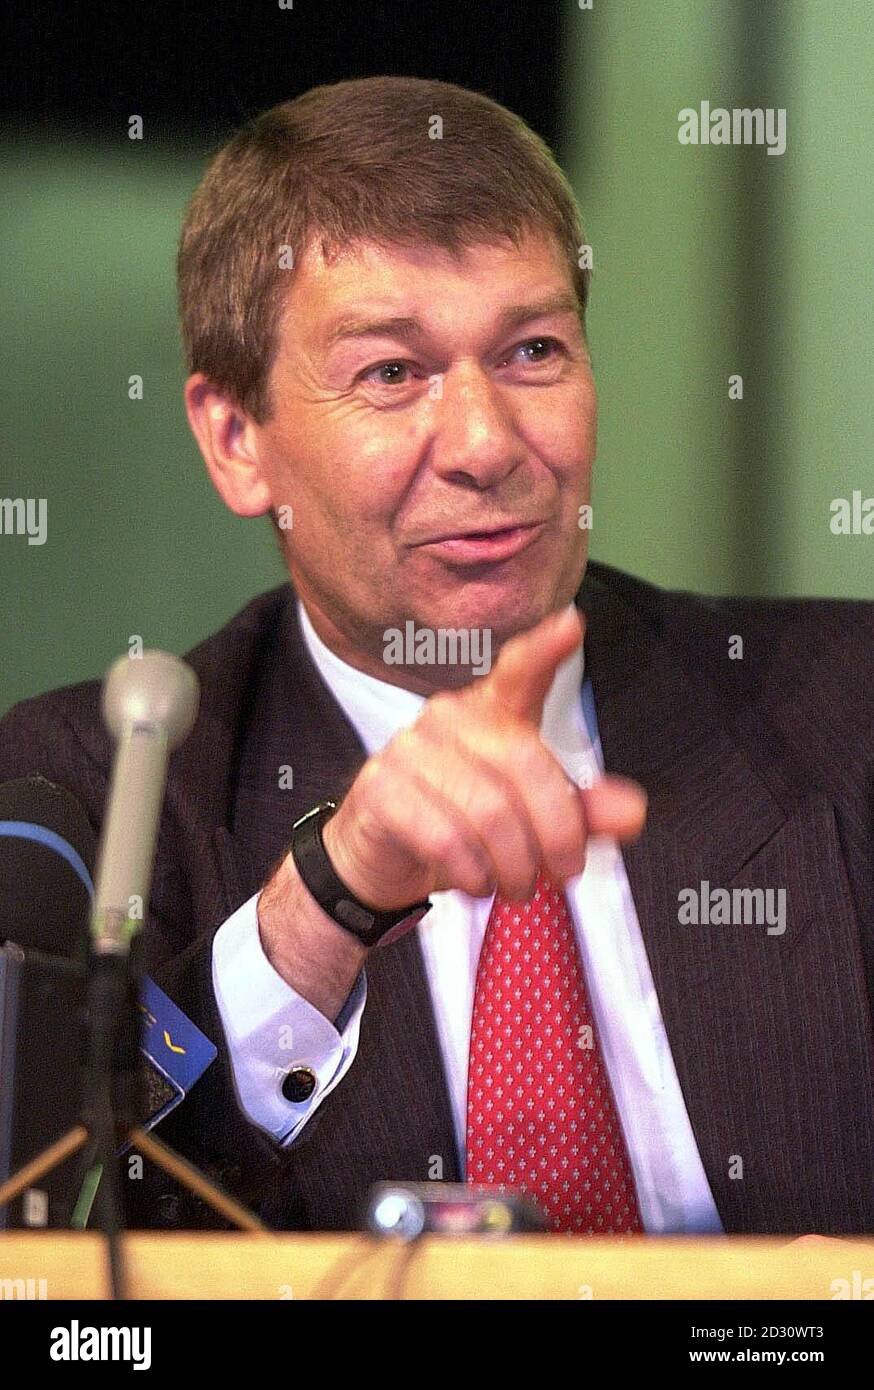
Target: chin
503, 608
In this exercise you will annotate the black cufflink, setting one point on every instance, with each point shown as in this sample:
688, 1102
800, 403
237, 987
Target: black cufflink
299, 1084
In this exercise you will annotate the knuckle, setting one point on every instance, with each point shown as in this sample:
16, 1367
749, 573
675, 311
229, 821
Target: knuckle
566, 837
529, 755
440, 708
518, 885
442, 840
403, 748
371, 772
479, 870
373, 780
482, 883
490, 811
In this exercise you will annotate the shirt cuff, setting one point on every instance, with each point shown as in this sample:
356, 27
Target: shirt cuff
271, 1030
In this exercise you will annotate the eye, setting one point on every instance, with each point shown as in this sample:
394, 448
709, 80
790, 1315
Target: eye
394, 372
550, 347
369, 374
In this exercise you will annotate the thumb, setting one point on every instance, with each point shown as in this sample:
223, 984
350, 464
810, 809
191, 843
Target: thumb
520, 678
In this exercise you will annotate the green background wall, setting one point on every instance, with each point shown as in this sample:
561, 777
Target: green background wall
138, 541
708, 261
715, 260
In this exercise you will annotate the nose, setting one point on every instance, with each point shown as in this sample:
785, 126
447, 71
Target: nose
476, 440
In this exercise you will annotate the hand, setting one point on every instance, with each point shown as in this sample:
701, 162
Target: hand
470, 797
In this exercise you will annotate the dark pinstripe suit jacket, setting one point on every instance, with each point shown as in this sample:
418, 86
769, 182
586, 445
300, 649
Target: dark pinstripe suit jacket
760, 773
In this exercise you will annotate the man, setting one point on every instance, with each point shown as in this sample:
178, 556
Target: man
389, 883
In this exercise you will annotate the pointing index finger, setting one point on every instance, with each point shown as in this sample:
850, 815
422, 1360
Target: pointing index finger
525, 669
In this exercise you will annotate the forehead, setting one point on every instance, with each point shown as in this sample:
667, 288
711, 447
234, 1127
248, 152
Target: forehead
330, 300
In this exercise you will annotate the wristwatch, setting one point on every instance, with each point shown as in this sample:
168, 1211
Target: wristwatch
368, 924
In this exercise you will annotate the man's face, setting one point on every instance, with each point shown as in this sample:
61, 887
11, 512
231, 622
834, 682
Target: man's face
473, 412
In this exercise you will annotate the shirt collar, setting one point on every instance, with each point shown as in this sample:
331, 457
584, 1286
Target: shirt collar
378, 710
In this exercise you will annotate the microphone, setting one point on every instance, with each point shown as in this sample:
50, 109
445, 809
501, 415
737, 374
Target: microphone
149, 704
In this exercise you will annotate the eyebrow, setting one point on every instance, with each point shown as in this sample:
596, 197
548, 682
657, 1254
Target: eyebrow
405, 328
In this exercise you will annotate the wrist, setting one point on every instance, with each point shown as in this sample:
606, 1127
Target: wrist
361, 916
317, 957
336, 842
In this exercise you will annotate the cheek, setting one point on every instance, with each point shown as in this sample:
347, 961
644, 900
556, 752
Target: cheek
352, 473
562, 429
382, 469
586, 417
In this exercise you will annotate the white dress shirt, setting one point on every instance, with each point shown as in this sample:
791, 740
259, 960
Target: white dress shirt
270, 1028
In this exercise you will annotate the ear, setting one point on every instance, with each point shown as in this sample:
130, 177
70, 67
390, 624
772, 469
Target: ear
227, 439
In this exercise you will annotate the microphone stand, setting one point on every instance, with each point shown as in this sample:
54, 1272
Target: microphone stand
111, 1110
112, 1106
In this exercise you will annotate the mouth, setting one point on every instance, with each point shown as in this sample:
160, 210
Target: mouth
475, 547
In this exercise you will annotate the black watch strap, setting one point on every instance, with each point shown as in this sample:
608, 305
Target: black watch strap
368, 924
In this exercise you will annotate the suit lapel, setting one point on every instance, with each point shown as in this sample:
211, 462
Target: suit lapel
767, 1031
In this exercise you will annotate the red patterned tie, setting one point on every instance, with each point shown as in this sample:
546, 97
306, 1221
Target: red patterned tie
540, 1113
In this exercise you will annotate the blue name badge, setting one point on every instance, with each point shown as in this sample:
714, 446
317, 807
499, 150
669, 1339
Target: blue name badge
173, 1045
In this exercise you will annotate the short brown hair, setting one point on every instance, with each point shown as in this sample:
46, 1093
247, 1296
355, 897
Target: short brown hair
348, 162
